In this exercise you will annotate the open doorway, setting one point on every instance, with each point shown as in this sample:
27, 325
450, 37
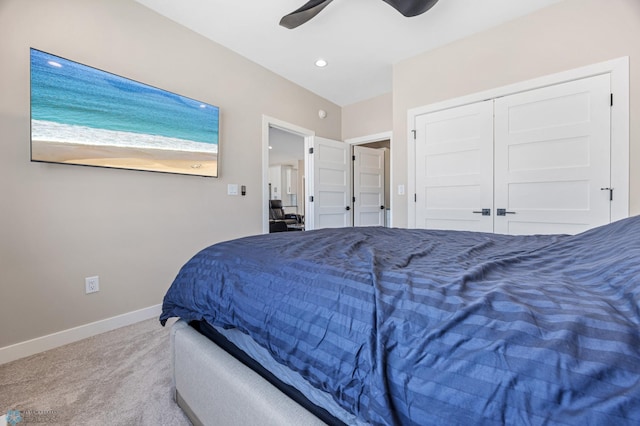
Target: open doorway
283, 147
286, 180
382, 142
309, 175
371, 183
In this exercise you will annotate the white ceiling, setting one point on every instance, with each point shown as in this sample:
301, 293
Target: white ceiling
361, 39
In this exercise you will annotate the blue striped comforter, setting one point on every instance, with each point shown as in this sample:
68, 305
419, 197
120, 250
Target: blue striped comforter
438, 327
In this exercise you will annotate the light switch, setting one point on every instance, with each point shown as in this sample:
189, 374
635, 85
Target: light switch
232, 189
400, 189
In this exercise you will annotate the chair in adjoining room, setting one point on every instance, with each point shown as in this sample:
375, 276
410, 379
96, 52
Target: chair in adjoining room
293, 222
277, 226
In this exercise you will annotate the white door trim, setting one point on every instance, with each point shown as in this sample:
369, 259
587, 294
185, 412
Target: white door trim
619, 71
267, 122
377, 137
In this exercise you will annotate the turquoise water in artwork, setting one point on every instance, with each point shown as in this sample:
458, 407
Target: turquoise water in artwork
69, 93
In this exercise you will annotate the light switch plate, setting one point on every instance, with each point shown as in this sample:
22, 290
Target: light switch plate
232, 189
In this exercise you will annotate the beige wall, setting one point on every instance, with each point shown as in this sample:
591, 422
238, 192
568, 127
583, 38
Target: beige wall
368, 117
568, 35
60, 224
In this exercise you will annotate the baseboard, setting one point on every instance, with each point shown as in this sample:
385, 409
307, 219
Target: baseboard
44, 343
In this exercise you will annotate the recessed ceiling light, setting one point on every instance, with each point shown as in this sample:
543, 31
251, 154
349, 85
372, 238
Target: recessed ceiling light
321, 63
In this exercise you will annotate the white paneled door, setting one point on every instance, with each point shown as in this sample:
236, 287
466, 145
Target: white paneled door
330, 189
454, 168
368, 186
552, 158
535, 162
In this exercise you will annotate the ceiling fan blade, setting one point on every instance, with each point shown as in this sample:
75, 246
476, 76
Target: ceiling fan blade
411, 7
305, 13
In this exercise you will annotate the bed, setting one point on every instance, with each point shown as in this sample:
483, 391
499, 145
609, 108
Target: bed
405, 326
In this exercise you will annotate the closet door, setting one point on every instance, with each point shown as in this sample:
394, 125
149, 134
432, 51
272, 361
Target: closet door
368, 186
552, 158
454, 168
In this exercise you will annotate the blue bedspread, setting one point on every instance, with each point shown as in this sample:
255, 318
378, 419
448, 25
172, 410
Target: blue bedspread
438, 327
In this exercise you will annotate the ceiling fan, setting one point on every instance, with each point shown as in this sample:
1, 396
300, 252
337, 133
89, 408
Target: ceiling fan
313, 7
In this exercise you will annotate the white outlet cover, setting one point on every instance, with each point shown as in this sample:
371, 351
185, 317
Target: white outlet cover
92, 284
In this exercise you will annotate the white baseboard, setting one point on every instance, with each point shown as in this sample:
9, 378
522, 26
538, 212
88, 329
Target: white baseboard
44, 343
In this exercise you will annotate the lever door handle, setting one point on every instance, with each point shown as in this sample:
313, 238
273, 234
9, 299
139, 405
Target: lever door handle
610, 192
483, 212
503, 212
347, 208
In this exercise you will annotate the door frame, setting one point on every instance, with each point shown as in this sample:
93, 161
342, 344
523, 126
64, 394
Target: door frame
377, 137
308, 136
619, 71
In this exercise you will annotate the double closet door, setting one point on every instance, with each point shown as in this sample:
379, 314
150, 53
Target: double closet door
536, 162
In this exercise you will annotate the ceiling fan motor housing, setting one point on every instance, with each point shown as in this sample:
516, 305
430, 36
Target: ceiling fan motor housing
411, 7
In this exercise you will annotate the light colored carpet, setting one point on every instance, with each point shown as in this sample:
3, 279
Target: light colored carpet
122, 377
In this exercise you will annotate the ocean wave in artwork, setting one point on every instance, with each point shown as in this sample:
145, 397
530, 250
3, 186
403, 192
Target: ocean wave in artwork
49, 131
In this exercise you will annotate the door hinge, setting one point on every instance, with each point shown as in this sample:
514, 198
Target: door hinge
311, 198
354, 199
353, 157
414, 134
311, 150
611, 99
415, 198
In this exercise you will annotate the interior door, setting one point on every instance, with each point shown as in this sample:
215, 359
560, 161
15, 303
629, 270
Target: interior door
368, 186
552, 158
454, 168
330, 186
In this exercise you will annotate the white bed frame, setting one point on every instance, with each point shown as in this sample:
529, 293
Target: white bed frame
213, 388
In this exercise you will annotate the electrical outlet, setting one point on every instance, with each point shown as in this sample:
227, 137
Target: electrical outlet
92, 284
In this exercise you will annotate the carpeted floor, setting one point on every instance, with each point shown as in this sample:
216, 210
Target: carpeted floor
122, 377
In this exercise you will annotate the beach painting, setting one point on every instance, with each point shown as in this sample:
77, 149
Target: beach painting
82, 115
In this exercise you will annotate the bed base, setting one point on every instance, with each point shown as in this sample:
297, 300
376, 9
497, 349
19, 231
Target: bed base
213, 388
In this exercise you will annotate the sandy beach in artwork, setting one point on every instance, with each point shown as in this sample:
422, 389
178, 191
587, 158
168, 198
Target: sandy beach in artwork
105, 148
157, 160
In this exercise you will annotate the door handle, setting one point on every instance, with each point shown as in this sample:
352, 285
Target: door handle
503, 212
483, 212
347, 208
381, 207
610, 192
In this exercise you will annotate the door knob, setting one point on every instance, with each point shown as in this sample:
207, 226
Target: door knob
347, 208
